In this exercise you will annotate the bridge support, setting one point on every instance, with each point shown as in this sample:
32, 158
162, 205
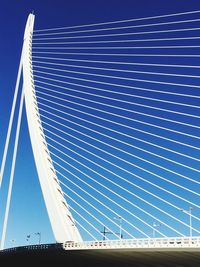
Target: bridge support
62, 222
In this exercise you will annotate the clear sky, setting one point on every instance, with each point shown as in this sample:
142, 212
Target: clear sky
28, 214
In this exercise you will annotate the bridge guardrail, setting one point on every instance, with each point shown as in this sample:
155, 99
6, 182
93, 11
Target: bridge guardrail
33, 248
182, 242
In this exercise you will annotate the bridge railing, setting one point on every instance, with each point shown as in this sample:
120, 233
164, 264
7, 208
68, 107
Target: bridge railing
41, 247
182, 242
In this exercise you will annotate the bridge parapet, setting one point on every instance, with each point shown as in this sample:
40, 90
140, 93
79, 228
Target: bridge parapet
32, 248
182, 242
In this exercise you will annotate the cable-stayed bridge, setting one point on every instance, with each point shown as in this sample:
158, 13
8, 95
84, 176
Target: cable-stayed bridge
113, 117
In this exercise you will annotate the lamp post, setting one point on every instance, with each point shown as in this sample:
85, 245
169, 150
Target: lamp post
39, 234
189, 212
154, 230
28, 238
13, 241
119, 218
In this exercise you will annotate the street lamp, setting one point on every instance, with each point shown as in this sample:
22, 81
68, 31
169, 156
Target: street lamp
39, 234
189, 212
13, 241
27, 238
119, 218
154, 230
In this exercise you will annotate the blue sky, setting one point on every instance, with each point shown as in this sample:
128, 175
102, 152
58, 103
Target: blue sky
28, 214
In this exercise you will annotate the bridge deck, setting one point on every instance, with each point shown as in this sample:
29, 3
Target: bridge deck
149, 257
